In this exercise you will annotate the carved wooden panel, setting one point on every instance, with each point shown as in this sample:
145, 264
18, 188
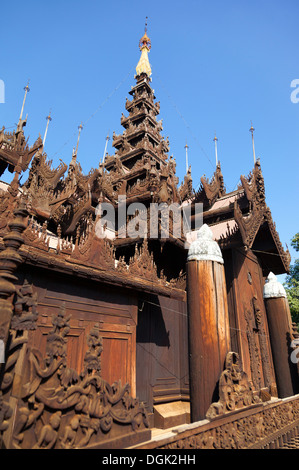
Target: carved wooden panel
88, 303
75, 345
250, 328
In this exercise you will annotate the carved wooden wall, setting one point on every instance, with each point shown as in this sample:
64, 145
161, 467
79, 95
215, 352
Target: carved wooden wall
248, 321
89, 303
162, 351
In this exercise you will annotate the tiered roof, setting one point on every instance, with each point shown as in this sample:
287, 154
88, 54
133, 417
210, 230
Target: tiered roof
63, 201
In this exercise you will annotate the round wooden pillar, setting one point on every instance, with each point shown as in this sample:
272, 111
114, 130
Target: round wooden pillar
280, 330
209, 338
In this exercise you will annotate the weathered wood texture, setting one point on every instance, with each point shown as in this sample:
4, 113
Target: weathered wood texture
208, 332
162, 351
248, 320
280, 329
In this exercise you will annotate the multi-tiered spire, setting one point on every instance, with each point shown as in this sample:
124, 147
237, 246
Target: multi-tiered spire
141, 161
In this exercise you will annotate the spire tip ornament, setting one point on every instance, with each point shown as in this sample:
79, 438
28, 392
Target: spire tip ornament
143, 65
216, 153
253, 149
48, 118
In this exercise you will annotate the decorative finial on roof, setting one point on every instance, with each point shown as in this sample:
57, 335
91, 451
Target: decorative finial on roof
22, 123
75, 150
187, 165
252, 130
80, 129
105, 150
48, 120
143, 65
216, 154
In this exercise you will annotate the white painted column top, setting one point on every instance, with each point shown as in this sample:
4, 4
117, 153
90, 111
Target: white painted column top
272, 288
205, 248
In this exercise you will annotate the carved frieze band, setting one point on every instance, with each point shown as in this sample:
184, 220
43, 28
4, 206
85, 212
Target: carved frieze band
251, 430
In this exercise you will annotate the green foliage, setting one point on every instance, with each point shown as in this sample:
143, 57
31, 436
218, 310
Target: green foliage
292, 283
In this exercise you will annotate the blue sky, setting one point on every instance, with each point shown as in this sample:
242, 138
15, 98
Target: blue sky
216, 66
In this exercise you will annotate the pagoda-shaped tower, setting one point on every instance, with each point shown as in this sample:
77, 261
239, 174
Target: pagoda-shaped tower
141, 152
141, 169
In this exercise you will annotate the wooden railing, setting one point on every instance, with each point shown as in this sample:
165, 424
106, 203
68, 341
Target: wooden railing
269, 425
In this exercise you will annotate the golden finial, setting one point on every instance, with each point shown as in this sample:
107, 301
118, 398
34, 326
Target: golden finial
143, 65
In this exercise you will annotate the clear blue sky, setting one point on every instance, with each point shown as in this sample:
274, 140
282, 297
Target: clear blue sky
216, 65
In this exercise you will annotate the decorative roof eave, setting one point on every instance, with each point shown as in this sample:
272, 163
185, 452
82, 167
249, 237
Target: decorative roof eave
137, 133
284, 254
134, 152
249, 226
139, 84
33, 256
137, 115
12, 156
154, 106
250, 223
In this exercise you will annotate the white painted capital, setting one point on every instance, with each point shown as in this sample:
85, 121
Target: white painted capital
272, 288
205, 248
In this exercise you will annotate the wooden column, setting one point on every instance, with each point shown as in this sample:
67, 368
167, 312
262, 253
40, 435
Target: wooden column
280, 330
9, 261
209, 339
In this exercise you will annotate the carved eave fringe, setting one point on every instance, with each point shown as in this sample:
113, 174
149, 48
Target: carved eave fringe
249, 225
284, 254
34, 257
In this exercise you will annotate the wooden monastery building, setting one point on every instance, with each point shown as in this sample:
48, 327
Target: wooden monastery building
113, 341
